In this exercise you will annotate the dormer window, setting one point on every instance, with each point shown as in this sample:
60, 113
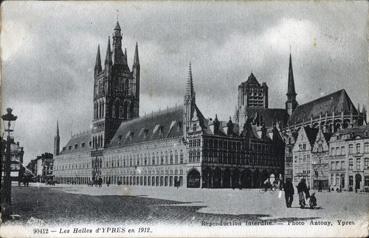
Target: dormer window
75, 146
70, 147
83, 145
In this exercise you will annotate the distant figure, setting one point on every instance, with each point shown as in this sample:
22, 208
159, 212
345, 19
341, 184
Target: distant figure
288, 192
100, 182
320, 187
301, 189
312, 201
108, 182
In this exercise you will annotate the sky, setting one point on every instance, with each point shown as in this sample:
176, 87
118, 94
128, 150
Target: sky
48, 52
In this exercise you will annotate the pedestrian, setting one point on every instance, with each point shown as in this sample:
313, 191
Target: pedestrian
100, 182
301, 189
288, 192
108, 182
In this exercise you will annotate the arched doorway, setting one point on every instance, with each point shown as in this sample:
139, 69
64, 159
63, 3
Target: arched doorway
217, 174
193, 179
235, 179
357, 181
226, 179
246, 179
207, 178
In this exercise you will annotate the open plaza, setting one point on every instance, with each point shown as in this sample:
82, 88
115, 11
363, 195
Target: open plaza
80, 203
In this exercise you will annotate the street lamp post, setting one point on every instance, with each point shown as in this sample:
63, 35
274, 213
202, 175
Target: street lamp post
6, 191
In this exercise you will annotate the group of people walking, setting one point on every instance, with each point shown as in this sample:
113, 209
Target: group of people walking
303, 193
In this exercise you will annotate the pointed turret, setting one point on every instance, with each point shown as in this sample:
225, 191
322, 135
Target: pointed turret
190, 93
136, 72
108, 58
189, 101
291, 102
117, 27
136, 60
118, 56
57, 140
57, 128
98, 67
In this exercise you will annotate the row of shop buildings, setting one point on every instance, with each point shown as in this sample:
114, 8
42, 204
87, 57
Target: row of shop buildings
335, 161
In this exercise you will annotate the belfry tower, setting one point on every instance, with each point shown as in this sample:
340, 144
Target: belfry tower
291, 102
116, 90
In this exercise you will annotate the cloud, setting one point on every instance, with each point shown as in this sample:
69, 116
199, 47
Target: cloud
17, 43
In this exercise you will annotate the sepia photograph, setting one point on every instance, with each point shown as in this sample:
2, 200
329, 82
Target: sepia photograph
184, 119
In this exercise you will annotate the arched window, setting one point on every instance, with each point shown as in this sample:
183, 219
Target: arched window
113, 111
121, 111
171, 157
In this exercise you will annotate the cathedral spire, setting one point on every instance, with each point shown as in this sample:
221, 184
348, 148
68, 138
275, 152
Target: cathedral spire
136, 60
291, 102
98, 68
291, 81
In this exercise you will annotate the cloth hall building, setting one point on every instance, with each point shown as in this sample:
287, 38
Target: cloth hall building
174, 147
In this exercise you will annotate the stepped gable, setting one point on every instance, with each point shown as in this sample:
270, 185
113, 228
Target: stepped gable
268, 115
311, 134
79, 140
158, 125
336, 102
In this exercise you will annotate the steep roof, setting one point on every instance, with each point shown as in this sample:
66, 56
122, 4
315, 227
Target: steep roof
336, 102
158, 125
78, 139
251, 81
327, 136
311, 134
268, 115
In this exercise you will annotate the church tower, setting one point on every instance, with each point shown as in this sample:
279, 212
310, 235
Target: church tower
57, 141
291, 102
116, 90
189, 102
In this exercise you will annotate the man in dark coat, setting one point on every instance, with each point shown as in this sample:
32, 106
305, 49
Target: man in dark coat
288, 192
301, 189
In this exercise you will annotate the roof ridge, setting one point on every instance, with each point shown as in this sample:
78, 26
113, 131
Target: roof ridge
324, 97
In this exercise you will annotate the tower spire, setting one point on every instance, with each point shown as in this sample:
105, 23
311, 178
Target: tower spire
57, 128
291, 102
98, 68
189, 87
291, 81
57, 140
